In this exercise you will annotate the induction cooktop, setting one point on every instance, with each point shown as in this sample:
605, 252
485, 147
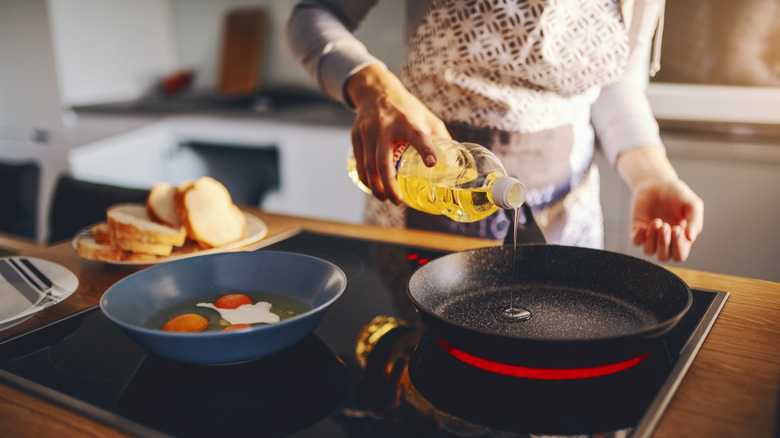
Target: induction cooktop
88, 365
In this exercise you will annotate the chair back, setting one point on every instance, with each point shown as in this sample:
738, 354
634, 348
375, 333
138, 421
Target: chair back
78, 204
30, 171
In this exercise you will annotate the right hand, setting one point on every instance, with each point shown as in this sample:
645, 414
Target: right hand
666, 215
667, 218
387, 115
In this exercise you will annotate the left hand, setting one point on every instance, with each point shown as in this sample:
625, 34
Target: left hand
667, 217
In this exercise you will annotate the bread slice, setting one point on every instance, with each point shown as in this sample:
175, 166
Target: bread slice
131, 223
141, 247
138, 257
102, 233
178, 201
208, 213
161, 204
88, 248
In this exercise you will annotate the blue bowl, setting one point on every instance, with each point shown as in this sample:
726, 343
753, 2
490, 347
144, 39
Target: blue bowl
132, 301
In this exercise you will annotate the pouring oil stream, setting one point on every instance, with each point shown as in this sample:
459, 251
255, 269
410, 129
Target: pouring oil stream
511, 313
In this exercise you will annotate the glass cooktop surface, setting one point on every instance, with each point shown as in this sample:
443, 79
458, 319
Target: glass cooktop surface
321, 388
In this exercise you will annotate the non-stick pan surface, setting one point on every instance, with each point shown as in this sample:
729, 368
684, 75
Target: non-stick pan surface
588, 307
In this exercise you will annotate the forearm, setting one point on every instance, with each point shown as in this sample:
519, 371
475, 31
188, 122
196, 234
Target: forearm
319, 34
371, 84
643, 164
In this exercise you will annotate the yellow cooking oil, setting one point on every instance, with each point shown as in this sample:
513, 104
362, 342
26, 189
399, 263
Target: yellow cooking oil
457, 203
460, 186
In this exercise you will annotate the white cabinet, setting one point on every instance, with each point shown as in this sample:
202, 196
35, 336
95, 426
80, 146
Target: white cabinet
313, 180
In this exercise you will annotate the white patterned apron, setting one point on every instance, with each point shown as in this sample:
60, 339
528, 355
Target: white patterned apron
519, 77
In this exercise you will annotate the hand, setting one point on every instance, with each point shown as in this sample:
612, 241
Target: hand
667, 217
388, 115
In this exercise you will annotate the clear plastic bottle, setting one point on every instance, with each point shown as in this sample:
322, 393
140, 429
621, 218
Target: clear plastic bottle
467, 184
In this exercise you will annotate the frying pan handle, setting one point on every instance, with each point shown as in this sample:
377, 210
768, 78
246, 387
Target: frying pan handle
528, 232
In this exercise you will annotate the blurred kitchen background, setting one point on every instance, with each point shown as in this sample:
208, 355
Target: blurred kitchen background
131, 92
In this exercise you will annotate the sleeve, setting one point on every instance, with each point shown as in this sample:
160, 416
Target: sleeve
319, 33
621, 116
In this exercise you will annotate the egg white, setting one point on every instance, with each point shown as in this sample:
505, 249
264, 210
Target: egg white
257, 313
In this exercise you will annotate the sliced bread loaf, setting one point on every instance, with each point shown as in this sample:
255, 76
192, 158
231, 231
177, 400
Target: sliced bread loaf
161, 204
130, 222
88, 248
101, 232
208, 213
141, 247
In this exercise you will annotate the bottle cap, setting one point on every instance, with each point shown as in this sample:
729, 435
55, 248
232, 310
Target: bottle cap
508, 192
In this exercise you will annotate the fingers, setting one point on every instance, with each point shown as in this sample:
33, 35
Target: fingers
658, 239
365, 151
387, 172
424, 146
424, 143
638, 235
681, 246
357, 152
376, 166
665, 241
688, 230
663, 246
694, 214
667, 218
651, 236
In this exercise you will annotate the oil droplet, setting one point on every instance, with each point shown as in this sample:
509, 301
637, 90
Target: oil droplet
512, 314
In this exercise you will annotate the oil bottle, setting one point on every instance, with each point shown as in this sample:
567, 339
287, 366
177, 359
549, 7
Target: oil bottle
467, 184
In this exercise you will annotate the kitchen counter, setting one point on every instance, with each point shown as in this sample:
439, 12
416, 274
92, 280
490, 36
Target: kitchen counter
293, 106
730, 390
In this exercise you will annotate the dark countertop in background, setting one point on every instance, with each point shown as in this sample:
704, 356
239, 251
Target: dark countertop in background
288, 105
300, 105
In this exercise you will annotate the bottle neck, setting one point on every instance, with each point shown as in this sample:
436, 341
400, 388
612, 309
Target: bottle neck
508, 192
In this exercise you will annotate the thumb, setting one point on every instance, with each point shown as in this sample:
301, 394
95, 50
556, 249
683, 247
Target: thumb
427, 151
695, 217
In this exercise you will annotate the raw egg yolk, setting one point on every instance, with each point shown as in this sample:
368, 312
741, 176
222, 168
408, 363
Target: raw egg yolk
189, 322
232, 301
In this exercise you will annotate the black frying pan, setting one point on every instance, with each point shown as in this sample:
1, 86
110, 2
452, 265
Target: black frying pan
588, 308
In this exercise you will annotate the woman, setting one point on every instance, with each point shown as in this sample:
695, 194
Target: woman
531, 80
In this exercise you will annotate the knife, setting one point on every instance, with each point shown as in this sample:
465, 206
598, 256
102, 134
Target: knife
11, 272
43, 278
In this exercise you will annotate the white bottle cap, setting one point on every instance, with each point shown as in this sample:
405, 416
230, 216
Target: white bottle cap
508, 192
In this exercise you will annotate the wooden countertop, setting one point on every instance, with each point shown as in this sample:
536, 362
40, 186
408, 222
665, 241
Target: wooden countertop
731, 389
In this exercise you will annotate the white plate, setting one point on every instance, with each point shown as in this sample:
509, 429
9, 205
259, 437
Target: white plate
255, 231
29, 285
